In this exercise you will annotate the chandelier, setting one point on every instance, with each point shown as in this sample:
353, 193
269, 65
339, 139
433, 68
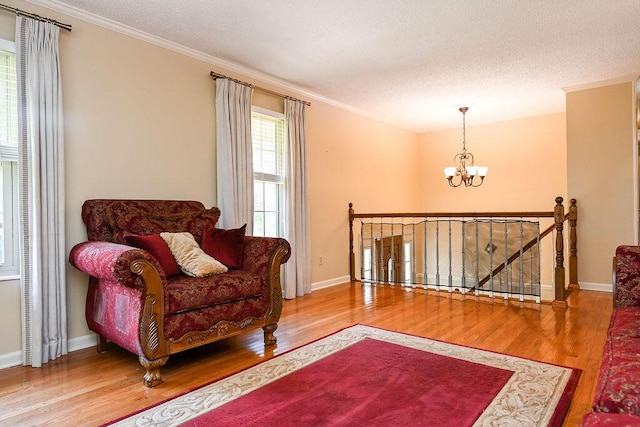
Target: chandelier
464, 170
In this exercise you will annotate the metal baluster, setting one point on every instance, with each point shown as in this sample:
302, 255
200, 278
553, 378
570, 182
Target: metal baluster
413, 253
491, 257
521, 260
450, 256
538, 278
463, 280
372, 259
400, 257
477, 285
381, 278
361, 241
391, 270
506, 258
425, 271
437, 254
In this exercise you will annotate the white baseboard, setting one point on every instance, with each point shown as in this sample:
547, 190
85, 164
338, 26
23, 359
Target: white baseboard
602, 287
82, 342
9, 360
331, 282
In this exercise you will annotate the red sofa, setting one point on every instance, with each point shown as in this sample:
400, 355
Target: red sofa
133, 302
617, 397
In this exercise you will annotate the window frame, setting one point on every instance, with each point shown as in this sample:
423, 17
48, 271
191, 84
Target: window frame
10, 269
280, 180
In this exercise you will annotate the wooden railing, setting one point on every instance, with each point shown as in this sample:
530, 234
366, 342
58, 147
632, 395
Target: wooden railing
556, 229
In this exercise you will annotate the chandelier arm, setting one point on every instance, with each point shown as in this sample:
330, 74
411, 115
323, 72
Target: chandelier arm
451, 184
480, 183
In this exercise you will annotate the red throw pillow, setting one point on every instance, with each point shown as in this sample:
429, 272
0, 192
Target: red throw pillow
156, 246
227, 246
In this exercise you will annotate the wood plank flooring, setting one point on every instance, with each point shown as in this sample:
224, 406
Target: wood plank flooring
87, 388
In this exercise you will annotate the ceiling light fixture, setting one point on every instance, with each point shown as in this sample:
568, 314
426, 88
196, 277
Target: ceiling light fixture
463, 161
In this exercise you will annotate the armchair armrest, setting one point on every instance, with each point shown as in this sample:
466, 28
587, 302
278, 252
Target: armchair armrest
626, 276
258, 252
111, 261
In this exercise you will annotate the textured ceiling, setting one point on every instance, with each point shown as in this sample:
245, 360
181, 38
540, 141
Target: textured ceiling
408, 62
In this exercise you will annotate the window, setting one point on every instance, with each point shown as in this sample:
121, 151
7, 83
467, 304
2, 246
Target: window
8, 161
406, 257
268, 136
367, 264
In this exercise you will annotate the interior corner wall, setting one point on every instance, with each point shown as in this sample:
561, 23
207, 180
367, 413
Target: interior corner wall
353, 159
600, 175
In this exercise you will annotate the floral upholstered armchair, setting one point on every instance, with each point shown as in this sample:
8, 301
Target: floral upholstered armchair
163, 279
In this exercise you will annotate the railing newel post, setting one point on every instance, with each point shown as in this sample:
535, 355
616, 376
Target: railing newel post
573, 245
352, 255
559, 283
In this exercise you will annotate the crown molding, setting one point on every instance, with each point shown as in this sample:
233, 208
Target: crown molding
629, 78
209, 59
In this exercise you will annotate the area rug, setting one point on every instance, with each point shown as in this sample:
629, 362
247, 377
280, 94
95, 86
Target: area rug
374, 377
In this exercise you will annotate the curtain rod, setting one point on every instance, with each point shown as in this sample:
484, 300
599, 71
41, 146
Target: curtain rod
36, 17
222, 76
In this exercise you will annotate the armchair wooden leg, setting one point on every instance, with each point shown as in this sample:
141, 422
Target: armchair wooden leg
102, 344
152, 377
269, 338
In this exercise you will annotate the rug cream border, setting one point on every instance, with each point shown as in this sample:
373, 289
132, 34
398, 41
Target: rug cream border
528, 399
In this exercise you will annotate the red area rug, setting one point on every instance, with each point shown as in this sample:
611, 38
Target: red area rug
367, 376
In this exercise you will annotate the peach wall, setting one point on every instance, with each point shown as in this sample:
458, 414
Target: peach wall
600, 143
526, 158
359, 160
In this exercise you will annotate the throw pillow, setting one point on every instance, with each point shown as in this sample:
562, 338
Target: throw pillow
227, 246
156, 246
190, 258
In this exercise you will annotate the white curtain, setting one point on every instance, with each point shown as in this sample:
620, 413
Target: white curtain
234, 154
41, 189
297, 227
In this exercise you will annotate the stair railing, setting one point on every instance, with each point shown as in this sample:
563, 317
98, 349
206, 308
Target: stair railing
387, 244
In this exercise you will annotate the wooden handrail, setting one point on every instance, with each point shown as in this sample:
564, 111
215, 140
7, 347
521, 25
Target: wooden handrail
545, 214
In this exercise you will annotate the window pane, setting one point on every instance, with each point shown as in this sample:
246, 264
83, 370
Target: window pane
2, 219
258, 196
268, 143
367, 263
271, 224
271, 197
8, 166
258, 224
8, 100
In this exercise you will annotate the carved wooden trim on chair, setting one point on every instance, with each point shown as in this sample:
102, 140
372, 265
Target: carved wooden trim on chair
151, 330
157, 349
275, 286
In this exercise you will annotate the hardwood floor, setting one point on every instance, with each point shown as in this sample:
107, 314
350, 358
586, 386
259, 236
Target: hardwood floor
87, 388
